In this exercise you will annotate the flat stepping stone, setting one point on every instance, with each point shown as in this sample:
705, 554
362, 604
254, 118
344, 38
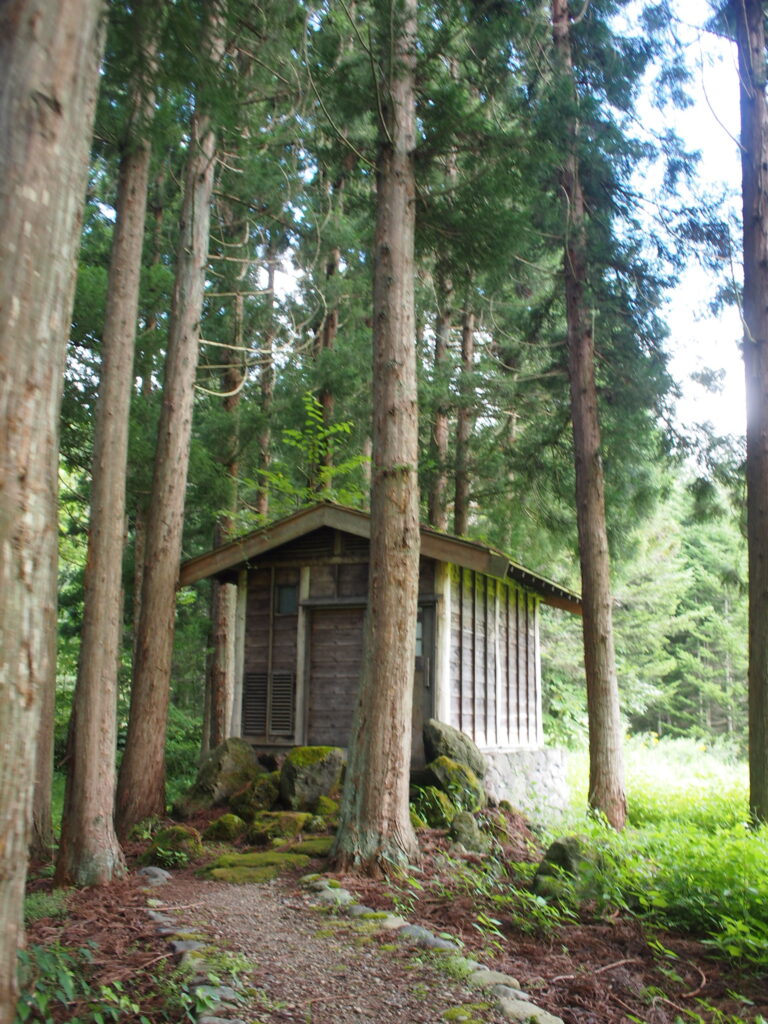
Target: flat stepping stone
334, 898
524, 1011
487, 979
418, 936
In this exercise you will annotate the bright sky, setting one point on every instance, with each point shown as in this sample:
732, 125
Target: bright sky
699, 340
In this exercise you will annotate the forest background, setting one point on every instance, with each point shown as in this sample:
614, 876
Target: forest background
283, 387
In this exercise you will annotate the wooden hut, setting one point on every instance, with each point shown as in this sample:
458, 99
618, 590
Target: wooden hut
302, 590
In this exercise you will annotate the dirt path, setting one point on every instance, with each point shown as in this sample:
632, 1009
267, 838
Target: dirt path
314, 968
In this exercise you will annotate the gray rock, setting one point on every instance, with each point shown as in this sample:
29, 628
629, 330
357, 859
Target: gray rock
186, 945
224, 771
334, 898
155, 915
221, 994
487, 979
309, 773
207, 1019
566, 859
507, 992
442, 739
359, 910
465, 831
154, 875
422, 937
525, 1012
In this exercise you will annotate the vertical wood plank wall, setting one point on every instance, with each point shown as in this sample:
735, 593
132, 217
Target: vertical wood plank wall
494, 675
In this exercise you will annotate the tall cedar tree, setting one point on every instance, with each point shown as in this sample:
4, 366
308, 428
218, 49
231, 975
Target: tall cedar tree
606, 767
89, 853
750, 33
141, 782
375, 831
49, 64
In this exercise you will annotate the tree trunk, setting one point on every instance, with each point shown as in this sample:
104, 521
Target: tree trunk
89, 853
464, 424
749, 15
438, 504
267, 384
606, 767
141, 783
375, 832
49, 64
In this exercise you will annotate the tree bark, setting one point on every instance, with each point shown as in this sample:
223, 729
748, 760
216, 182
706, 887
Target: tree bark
141, 782
49, 62
606, 767
375, 832
750, 33
267, 386
464, 424
438, 504
89, 853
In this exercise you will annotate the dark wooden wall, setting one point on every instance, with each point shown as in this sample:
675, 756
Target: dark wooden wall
494, 673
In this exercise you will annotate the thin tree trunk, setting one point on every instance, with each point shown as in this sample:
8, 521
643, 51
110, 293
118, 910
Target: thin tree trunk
89, 853
750, 30
606, 767
464, 424
141, 783
438, 503
375, 831
267, 384
224, 598
49, 62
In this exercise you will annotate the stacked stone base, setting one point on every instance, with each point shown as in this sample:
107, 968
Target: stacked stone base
534, 781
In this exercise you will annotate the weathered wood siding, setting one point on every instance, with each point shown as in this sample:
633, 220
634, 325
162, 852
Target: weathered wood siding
493, 679
494, 674
335, 650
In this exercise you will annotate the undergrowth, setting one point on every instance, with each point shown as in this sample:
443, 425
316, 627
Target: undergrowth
687, 859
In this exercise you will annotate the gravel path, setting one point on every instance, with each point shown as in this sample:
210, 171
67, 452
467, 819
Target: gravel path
315, 968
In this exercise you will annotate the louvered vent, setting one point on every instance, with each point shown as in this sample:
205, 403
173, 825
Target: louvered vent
255, 704
281, 709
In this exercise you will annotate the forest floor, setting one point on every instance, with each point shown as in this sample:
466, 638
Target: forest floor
304, 967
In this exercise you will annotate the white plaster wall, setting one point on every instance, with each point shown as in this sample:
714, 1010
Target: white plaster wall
532, 780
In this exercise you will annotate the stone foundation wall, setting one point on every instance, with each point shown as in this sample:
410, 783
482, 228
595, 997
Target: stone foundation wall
532, 780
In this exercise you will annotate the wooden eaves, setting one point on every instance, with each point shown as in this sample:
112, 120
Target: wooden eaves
440, 546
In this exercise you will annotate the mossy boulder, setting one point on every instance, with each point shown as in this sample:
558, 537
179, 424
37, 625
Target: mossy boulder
465, 830
268, 826
259, 795
180, 840
244, 868
442, 740
225, 829
318, 847
225, 770
567, 864
433, 807
416, 820
325, 807
309, 773
458, 782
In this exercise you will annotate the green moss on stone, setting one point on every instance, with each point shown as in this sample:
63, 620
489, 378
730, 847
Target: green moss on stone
303, 757
326, 807
268, 826
466, 1014
181, 839
244, 868
225, 829
459, 782
319, 847
260, 795
434, 806
246, 876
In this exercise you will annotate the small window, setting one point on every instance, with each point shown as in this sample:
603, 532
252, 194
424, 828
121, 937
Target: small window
419, 636
286, 598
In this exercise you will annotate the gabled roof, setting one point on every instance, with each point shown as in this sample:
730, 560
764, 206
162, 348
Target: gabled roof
440, 546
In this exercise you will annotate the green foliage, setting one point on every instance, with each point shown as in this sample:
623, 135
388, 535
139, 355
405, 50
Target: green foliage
55, 976
38, 905
687, 860
308, 469
182, 750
